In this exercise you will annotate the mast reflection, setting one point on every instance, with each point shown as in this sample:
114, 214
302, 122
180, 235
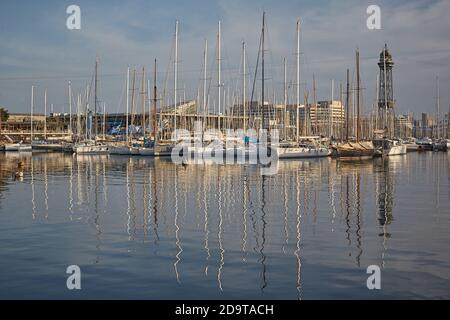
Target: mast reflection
228, 217
263, 233
298, 243
177, 229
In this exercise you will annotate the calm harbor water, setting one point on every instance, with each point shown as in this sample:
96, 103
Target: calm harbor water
149, 229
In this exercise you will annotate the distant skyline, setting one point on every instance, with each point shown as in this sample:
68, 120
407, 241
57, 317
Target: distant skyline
37, 48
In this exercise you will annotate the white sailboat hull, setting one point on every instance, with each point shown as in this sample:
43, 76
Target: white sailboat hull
91, 149
297, 153
396, 150
18, 147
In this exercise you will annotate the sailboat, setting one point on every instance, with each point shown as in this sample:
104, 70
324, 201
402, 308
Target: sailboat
353, 149
211, 145
145, 149
164, 149
302, 150
89, 145
448, 130
21, 146
18, 147
123, 149
439, 144
45, 144
309, 147
390, 147
359, 150
127, 148
198, 149
149, 148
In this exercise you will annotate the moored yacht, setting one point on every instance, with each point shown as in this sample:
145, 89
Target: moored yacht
440, 145
411, 145
357, 150
425, 144
301, 151
390, 147
90, 147
18, 147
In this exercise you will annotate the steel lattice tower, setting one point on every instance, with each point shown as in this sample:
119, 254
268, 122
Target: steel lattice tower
386, 100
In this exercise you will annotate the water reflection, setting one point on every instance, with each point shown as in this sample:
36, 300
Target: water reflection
297, 251
251, 232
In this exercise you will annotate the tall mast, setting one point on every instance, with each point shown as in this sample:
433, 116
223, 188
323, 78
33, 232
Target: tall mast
70, 108
128, 100
104, 121
358, 83
32, 107
143, 101
437, 108
154, 104
45, 114
316, 124
330, 109
448, 123
95, 96
298, 84
314, 89
262, 65
285, 100
88, 128
332, 89
341, 97
149, 100
244, 85
219, 75
347, 106
205, 58
78, 117
132, 97
175, 75
376, 102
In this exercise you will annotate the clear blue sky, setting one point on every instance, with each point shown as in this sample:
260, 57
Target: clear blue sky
37, 48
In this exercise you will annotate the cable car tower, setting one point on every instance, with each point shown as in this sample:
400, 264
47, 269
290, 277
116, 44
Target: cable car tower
386, 102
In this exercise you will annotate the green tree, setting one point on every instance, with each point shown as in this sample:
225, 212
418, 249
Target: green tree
4, 114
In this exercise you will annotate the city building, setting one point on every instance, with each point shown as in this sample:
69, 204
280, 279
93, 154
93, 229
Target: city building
325, 118
403, 126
